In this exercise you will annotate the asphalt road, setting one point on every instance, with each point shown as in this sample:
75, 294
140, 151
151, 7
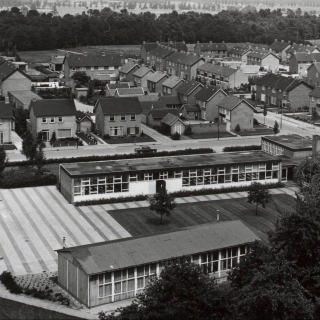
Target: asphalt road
289, 126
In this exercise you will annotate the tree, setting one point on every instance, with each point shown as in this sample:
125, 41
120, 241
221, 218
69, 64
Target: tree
265, 112
80, 77
314, 115
29, 146
3, 159
53, 138
40, 157
182, 291
237, 128
162, 203
259, 195
253, 96
276, 127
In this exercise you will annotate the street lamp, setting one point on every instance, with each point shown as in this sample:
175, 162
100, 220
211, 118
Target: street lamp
218, 127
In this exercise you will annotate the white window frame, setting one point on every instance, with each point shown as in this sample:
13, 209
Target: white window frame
44, 120
54, 120
60, 121
133, 117
123, 116
112, 118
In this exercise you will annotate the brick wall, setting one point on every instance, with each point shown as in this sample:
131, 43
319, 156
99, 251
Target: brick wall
312, 77
127, 123
208, 127
242, 115
299, 97
212, 112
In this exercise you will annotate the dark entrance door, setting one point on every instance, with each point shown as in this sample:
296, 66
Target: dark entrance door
160, 185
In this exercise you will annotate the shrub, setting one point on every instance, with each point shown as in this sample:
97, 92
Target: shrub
117, 156
188, 131
26, 178
53, 138
237, 128
241, 148
176, 136
106, 136
8, 281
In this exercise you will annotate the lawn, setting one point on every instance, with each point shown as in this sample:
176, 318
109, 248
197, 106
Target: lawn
145, 138
142, 221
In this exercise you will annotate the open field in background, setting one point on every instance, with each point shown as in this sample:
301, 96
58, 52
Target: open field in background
32, 57
141, 221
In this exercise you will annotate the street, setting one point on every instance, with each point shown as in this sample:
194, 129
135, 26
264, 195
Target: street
289, 126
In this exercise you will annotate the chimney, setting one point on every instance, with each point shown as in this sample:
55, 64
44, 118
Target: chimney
157, 42
275, 40
218, 215
183, 42
143, 42
63, 242
197, 42
170, 42
34, 99
210, 42
282, 40
294, 43
308, 45
315, 144
6, 100
103, 54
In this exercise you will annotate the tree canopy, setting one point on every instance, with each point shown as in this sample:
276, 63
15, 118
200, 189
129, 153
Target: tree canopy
41, 31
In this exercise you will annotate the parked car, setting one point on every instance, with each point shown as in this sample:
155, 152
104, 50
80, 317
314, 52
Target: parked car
258, 109
144, 150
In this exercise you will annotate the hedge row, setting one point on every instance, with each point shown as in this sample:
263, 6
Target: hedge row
26, 178
118, 156
241, 148
177, 194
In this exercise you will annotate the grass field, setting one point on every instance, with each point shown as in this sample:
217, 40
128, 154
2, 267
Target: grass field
142, 221
33, 57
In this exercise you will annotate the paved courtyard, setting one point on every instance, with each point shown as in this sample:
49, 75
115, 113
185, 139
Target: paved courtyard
33, 222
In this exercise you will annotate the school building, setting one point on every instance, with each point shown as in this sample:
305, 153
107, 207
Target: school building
106, 272
121, 178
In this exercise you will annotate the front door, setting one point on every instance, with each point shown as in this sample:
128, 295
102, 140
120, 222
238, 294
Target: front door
45, 135
160, 185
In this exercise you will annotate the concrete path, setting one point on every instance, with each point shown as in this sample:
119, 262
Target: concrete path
155, 134
16, 140
33, 222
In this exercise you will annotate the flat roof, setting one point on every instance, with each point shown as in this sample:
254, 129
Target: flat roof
291, 141
125, 253
81, 169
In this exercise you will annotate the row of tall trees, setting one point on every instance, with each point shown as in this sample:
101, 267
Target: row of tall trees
46, 31
278, 280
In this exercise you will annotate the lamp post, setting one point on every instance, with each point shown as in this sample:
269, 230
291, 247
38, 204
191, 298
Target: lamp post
218, 127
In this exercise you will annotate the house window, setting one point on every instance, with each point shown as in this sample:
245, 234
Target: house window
92, 68
116, 131
263, 88
52, 120
111, 117
60, 119
110, 68
123, 117
133, 117
312, 98
100, 68
44, 120
83, 68
169, 90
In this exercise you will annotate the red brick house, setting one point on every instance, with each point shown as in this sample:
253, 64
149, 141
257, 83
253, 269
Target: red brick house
208, 99
141, 77
313, 77
170, 85
126, 71
278, 90
155, 80
187, 91
235, 111
280, 48
211, 50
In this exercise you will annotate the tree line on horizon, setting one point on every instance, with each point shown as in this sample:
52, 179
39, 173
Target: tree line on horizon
106, 27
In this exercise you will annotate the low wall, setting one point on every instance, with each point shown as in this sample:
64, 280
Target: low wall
13, 310
208, 127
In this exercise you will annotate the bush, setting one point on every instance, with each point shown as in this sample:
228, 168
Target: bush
117, 156
176, 136
188, 131
241, 148
237, 128
106, 136
26, 178
8, 281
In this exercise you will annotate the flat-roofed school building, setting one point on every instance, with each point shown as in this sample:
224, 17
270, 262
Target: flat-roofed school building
115, 270
84, 181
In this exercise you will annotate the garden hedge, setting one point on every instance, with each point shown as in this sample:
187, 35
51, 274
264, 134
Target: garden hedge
241, 148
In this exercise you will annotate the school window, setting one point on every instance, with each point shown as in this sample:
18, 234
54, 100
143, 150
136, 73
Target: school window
105, 286
124, 281
145, 273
